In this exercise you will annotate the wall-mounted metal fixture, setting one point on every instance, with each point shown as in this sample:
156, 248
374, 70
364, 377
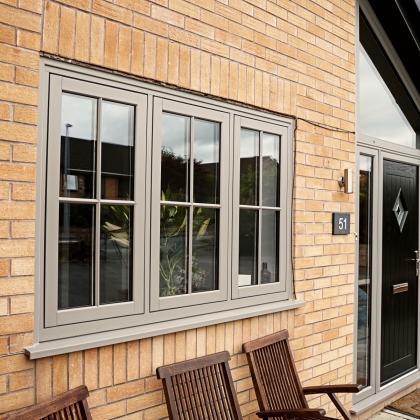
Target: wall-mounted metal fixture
346, 181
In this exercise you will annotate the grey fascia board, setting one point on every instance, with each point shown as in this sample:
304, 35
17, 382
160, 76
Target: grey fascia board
386, 392
68, 345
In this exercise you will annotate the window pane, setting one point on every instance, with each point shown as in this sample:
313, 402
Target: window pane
248, 247
117, 159
205, 257
116, 264
270, 246
380, 115
365, 270
78, 146
271, 170
249, 167
206, 161
76, 255
173, 264
175, 157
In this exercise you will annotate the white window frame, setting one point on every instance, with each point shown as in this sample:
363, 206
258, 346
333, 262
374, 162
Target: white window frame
53, 316
163, 105
148, 315
284, 246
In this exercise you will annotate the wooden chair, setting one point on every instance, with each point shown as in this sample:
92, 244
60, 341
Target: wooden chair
202, 389
276, 381
71, 405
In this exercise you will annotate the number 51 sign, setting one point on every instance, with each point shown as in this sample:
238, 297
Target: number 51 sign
341, 223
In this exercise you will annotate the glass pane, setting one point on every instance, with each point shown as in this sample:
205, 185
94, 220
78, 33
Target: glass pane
173, 263
365, 270
116, 258
78, 146
175, 157
249, 167
117, 159
271, 170
206, 161
205, 256
76, 255
269, 246
380, 115
248, 247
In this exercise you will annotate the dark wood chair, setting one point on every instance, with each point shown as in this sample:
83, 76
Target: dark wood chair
202, 389
277, 383
71, 405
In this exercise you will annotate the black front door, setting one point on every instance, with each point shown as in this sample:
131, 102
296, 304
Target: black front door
399, 280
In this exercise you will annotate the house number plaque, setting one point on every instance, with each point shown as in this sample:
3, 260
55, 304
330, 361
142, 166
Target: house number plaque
341, 223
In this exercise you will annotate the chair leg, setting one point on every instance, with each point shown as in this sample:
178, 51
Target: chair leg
340, 407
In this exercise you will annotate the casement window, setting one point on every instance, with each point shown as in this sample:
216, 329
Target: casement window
158, 210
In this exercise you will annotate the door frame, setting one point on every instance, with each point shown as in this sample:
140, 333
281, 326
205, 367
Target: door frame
379, 150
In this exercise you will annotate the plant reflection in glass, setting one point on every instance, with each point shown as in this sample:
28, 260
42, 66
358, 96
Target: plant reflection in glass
116, 254
173, 265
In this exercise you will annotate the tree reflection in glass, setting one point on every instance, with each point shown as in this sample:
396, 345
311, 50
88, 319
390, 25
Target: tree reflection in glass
206, 161
116, 254
249, 167
175, 157
117, 157
271, 170
205, 250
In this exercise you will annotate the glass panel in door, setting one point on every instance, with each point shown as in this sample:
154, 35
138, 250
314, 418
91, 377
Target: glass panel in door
364, 290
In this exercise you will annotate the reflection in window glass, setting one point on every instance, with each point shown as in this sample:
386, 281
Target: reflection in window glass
269, 246
249, 167
271, 170
206, 161
205, 255
78, 146
76, 255
365, 270
116, 254
117, 158
248, 247
173, 261
175, 157
380, 115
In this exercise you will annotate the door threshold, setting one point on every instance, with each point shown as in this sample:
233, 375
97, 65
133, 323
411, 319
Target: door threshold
386, 391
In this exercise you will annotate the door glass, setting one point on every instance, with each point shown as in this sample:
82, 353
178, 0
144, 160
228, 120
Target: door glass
380, 115
365, 270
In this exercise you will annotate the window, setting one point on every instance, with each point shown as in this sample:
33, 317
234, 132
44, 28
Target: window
158, 206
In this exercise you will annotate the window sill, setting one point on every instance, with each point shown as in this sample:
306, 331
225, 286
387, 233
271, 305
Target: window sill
68, 345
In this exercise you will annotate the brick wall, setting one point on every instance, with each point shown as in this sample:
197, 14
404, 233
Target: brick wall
20, 39
292, 57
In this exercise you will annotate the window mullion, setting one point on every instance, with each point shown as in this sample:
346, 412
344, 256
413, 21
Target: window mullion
260, 197
98, 205
191, 209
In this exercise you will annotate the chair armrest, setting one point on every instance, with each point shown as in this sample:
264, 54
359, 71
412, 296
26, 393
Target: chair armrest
312, 413
331, 389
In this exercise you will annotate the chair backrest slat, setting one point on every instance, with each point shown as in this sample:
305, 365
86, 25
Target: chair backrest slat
71, 405
201, 388
274, 373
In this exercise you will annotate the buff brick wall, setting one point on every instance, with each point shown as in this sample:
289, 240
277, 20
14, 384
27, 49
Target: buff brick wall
291, 57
